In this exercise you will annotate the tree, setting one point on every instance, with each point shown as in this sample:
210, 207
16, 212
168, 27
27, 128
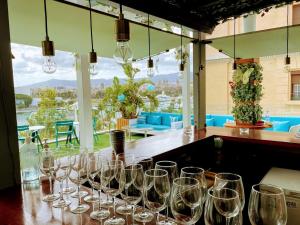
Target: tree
27, 100
47, 112
129, 97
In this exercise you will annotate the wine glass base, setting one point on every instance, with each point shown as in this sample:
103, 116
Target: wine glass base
61, 203
115, 221
81, 194
124, 209
166, 222
69, 190
144, 217
107, 204
80, 209
100, 214
51, 197
91, 199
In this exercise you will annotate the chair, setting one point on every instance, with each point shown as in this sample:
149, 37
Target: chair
95, 129
34, 135
63, 128
295, 129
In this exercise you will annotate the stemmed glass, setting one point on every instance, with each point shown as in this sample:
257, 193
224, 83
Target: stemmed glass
186, 200
101, 213
127, 159
113, 181
46, 164
68, 189
171, 167
197, 173
62, 169
221, 205
234, 182
93, 170
267, 205
133, 190
156, 190
144, 216
79, 175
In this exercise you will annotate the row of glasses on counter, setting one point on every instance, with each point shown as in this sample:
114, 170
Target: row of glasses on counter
158, 187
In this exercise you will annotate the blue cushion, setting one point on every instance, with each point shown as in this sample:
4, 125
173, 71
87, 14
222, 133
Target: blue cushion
166, 118
154, 120
142, 126
283, 126
141, 120
160, 127
210, 122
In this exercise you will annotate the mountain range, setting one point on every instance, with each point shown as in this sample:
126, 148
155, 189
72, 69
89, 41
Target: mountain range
71, 84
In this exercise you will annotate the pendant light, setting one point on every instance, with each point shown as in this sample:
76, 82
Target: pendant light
123, 53
150, 69
234, 66
49, 65
287, 58
181, 65
92, 55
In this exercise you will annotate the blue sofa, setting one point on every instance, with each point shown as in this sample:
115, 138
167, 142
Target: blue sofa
162, 121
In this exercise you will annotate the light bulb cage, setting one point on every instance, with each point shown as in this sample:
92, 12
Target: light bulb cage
93, 57
122, 29
181, 67
234, 66
287, 60
48, 47
150, 63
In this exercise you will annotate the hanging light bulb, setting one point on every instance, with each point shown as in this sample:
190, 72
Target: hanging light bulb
150, 69
181, 65
234, 66
49, 65
123, 53
93, 55
287, 58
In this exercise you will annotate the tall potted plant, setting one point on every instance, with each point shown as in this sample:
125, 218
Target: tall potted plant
246, 92
129, 97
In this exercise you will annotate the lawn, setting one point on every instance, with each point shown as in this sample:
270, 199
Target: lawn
102, 142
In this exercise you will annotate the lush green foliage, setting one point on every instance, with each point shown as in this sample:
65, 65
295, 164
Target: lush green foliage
246, 92
134, 92
27, 100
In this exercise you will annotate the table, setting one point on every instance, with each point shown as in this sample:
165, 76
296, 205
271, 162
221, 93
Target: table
36, 128
141, 130
257, 127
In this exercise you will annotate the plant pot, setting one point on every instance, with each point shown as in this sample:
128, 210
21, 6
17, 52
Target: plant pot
238, 122
245, 61
117, 139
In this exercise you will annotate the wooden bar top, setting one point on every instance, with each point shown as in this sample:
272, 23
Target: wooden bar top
23, 205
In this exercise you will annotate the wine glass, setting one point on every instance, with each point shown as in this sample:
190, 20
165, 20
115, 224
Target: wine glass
127, 159
171, 167
267, 205
101, 213
70, 149
133, 190
144, 216
221, 205
113, 182
186, 200
156, 190
93, 170
199, 174
62, 169
234, 182
79, 175
46, 164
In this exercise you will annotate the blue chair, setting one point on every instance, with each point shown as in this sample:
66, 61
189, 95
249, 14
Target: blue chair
95, 129
34, 135
65, 128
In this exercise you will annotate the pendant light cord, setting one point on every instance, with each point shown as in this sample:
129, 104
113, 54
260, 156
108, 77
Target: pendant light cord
234, 39
91, 26
200, 52
181, 54
121, 8
149, 44
287, 30
46, 19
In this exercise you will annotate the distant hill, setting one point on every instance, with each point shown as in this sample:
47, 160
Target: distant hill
54, 83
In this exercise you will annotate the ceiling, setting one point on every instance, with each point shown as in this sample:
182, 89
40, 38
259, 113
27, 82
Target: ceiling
260, 43
201, 15
69, 29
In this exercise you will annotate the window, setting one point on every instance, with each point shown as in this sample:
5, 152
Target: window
295, 85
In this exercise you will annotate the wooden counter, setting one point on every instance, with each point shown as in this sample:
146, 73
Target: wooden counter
23, 205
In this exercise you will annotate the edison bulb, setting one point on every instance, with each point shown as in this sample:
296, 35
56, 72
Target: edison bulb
49, 65
93, 69
180, 74
150, 72
123, 53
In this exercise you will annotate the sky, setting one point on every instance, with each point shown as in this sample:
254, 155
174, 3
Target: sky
27, 66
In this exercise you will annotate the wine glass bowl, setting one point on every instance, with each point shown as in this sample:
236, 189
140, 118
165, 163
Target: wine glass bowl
267, 205
186, 200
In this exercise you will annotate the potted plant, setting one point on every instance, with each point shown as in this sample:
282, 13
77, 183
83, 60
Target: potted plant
246, 92
129, 97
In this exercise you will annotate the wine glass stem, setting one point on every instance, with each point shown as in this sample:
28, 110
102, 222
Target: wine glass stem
50, 182
67, 183
78, 191
227, 221
114, 205
61, 190
157, 217
167, 213
99, 203
143, 199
